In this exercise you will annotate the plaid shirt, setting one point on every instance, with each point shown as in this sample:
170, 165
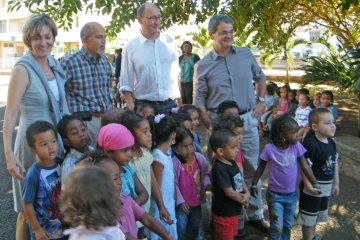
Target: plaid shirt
88, 82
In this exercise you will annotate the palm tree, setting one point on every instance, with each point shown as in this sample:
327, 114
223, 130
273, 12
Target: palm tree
283, 53
201, 40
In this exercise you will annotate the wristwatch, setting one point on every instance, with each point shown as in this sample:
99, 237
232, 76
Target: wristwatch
261, 99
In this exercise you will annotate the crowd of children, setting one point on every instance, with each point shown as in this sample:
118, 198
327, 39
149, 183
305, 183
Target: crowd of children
148, 177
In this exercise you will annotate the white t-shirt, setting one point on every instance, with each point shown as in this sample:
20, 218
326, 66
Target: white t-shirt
54, 88
106, 233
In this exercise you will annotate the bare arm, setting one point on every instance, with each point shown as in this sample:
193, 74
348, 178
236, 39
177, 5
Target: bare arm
232, 194
141, 192
31, 217
245, 195
205, 118
259, 106
128, 236
129, 99
152, 224
259, 172
17, 86
336, 188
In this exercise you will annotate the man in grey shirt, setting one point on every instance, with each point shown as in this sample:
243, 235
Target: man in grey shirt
226, 73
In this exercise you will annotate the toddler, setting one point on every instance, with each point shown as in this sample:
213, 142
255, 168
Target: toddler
327, 101
42, 183
91, 205
116, 140
283, 155
145, 110
316, 100
323, 158
75, 136
194, 114
270, 103
282, 106
191, 180
292, 104
229, 190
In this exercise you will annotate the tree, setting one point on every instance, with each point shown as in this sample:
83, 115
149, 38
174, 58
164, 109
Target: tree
201, 40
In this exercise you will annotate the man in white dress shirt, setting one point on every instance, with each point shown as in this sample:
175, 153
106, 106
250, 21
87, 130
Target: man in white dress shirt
149, 66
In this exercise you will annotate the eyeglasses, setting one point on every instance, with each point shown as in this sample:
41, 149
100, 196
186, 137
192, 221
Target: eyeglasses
153, 18
223, 33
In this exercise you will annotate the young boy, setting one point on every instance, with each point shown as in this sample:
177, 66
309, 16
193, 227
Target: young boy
42, 184
229, 190
234, 124
321, 152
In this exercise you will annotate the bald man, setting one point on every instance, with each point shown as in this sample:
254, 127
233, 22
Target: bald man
149, 65
89, 77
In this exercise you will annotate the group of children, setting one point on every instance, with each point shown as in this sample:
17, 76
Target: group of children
294, 103
148, 177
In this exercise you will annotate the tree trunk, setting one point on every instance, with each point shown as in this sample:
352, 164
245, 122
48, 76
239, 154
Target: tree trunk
286, 65
358, 96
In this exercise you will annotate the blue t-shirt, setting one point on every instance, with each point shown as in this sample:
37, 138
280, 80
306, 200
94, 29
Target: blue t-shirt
42, 187
332, 109
128, 182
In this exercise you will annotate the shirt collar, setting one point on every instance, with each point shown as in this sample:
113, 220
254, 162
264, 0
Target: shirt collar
88, 56
143, 39
214, 55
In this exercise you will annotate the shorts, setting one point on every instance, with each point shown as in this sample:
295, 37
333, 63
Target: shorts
226, 228
312, 208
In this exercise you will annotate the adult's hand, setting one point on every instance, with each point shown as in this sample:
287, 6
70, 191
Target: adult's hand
257, 109
14, 167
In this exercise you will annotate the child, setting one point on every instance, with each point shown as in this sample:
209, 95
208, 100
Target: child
145, 110
142, 160
302, 114
229, 190
321, 152
292, 104
302, 91
316, 100
130, 211
327, 100
42, 184
75, 136
116, 140
282, 106
112, 116
229, 108
282, 154
191, 180
163, 132
91, 205
183, 120
194, 114
234, 124
270, 103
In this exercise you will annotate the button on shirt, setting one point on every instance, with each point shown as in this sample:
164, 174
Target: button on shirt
149, 69
88, 82
218, 78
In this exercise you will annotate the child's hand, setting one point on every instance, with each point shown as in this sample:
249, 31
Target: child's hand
314, 191
184, 208
245, 199
41, 234
335, 190
254, 191
208, 187
165, 216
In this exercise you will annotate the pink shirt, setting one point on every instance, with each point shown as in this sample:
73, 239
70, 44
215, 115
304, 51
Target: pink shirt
283, 102
189, 183
130, 212
239, 159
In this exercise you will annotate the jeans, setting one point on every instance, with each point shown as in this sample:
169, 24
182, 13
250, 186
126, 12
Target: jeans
160, 107
282, 208
190, 226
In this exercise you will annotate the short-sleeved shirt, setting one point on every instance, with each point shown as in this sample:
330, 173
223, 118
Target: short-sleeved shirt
283, 102
190, 183
88, 82
332, 109
282, 166
42, 188
225, 176
302, 116
218, 78
187, 68
323, 156
270, 100
130, 212
128, 182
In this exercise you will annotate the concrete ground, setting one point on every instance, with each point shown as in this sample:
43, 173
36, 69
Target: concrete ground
343, 224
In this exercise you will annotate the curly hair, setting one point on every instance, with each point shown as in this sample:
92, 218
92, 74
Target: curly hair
226, 105
94, 157
188, 108
278, 128
161, 131
90, 198
227, 121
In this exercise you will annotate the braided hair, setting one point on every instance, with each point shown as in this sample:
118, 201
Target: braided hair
278, 128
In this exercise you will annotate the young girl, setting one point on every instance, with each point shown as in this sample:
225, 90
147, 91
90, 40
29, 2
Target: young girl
142, 160
292, 104
75, 136
194, 114
163, 132
316, 100
92, 209
116, 140
327, 101
191, 180
282, 106
145, 110
302, 114
283, 154
270, 103
130, 211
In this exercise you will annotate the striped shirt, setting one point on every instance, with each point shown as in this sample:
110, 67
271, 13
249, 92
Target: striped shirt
88, 82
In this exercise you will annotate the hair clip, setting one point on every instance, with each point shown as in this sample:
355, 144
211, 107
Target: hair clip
158, 118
